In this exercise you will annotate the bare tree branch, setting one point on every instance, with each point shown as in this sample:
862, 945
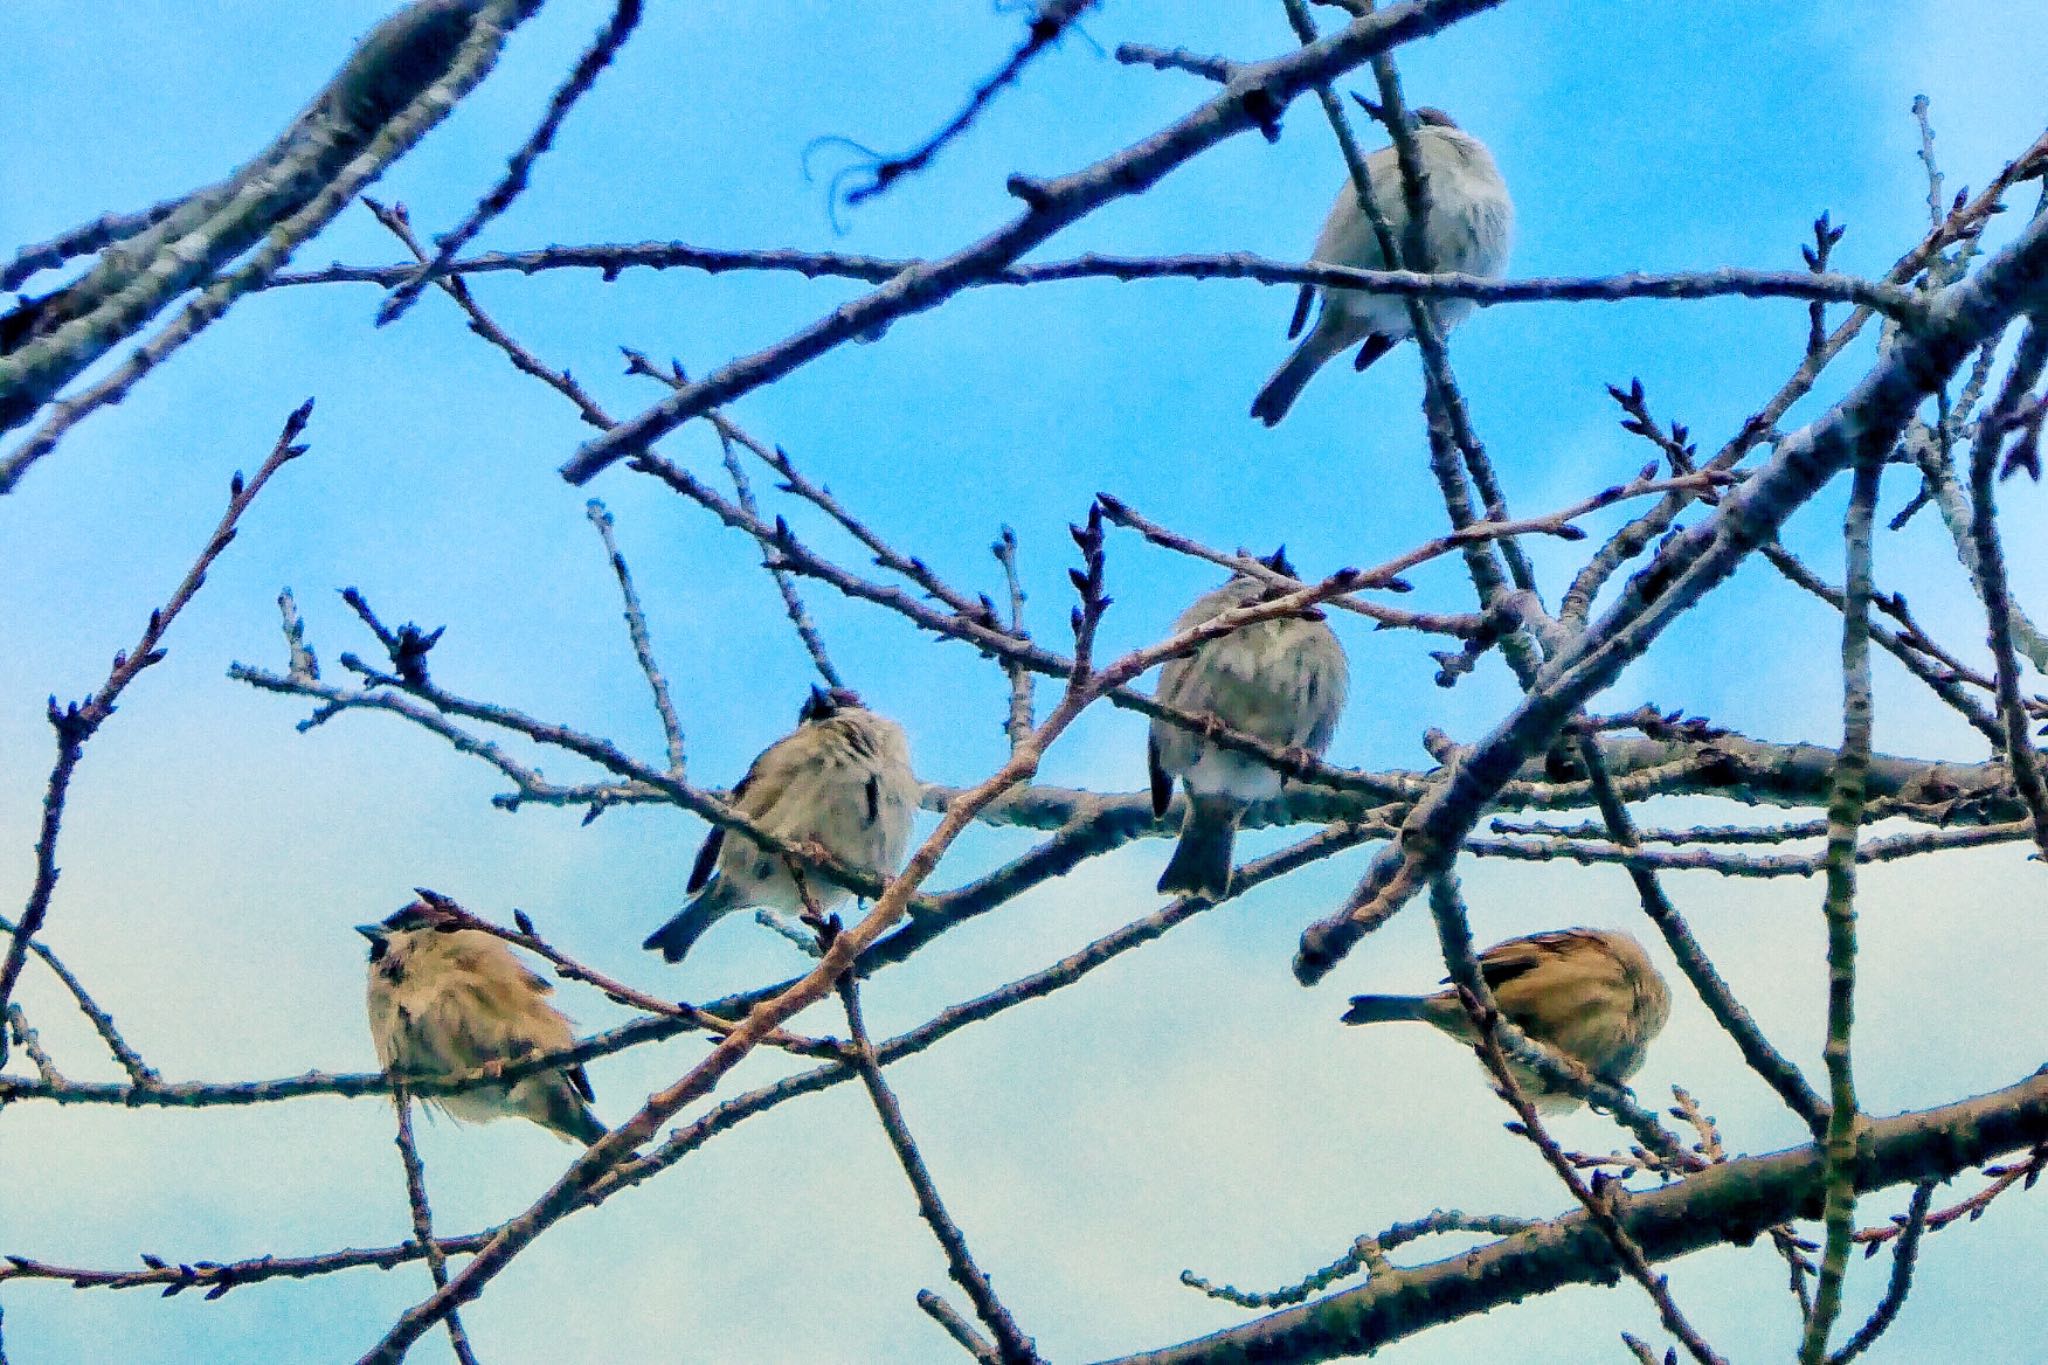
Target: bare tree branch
77, 723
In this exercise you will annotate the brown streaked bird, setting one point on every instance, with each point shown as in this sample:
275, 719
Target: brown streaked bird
1282, 681
444, 1001
1590, 993
842, 780
1471, 225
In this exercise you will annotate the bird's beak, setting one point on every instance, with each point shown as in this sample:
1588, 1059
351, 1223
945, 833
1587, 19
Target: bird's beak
372, 932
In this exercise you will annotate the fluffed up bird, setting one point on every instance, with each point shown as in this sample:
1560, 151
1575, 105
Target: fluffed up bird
841, 780
1282, 681
1589, 993
444, 1001
1471, 223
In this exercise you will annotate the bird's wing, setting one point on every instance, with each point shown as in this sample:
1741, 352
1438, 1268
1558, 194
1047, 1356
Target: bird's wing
1325, 688
1162, 785
1300, 318
481, 1019
1505, 962
707, 858
1552, 982
753, 795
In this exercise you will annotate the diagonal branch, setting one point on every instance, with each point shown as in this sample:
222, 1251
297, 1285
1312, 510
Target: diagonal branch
77, 723
401, 81
1777, 1071
1051, 19
1992, 584
625, 17
1638, 534
605, 1157
1731, 1201
1599, 1200
643, 647
1866, 422
1050, 206
1013, 1346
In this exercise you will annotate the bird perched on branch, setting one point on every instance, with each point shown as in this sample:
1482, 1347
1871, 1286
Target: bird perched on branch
1471, 221
1589, 993
1281, 681
841, 781
446, 1000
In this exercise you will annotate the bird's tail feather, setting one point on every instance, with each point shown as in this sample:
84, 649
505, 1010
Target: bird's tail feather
673, 940
1380, 1009
1292, 377
1201, 861
565, 1112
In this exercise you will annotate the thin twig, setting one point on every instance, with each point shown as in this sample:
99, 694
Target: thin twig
625, 16
729, 435
610, 259
1903, 1259
102, 1022
1015, 1348
1600, 1199
397, 221
1558, 523
423, 1218
1050, 20
1051, 205
1367, 1253
101, 232
1020, 719
29, 1041
785, 582
2016, 1175
1918, 653
957, 1327
1775, 1068
1935, 208
1217, 69
643, 647
1992, 584
77, 723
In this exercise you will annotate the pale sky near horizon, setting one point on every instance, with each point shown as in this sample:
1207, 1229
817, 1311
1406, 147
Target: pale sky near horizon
1188, 1106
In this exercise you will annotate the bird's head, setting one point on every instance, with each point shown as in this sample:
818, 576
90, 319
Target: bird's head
1278, 562
431, 911
825, 703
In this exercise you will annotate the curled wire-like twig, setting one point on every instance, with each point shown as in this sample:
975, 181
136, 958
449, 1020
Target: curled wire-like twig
875, 173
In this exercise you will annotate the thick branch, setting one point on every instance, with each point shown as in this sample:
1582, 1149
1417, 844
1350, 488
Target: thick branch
1866, 422
1732, 1202
1052, 205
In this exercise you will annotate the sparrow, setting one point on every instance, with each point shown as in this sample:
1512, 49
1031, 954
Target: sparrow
444, 1001
1282, 681
1471, 223
840, 780
1589, 993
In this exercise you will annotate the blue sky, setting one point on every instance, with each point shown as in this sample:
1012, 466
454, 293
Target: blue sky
1186, 1106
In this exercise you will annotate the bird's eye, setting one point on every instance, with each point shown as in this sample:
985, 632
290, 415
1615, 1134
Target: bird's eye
378, 947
